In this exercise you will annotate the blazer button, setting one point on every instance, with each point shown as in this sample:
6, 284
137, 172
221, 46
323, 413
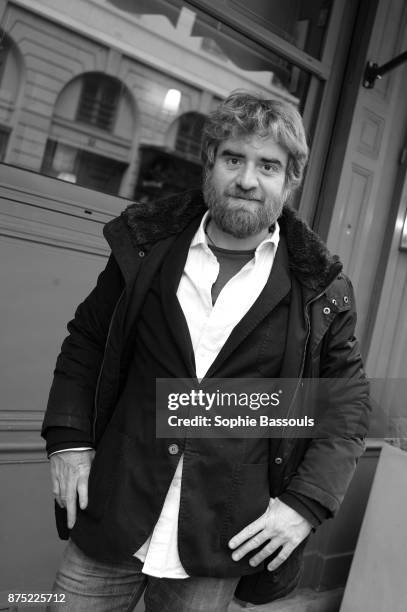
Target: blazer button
346, 299
141, 253
327, 310
173, 449
278, 460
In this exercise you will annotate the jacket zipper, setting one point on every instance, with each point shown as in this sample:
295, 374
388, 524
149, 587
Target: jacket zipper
307, 305
308, 322
95, 403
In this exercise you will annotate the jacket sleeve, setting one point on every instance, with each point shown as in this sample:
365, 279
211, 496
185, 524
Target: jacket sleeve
70, 403
330, 458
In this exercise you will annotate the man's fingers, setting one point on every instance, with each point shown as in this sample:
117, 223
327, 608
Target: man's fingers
83, 491
70, 502
56, 489
61, 497
266, 551
250, 545
70, 474
282, 556
59, 501
248, 532
56, 486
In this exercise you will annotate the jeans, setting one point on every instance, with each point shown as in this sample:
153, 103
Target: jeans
91, 585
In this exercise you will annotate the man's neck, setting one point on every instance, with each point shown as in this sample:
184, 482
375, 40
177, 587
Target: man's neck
221, 239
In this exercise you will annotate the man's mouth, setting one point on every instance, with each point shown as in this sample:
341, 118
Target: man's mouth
243, 198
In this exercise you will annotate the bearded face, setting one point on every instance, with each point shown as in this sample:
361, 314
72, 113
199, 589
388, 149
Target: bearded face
244, 191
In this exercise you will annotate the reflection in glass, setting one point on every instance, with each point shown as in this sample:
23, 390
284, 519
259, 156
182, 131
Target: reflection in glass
123, 113
4, 135
99, 100
76, 165
302, 23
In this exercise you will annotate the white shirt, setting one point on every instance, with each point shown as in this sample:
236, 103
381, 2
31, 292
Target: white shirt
209, 326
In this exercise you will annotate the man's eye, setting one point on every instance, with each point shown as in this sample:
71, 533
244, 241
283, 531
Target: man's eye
269, 168
232, 161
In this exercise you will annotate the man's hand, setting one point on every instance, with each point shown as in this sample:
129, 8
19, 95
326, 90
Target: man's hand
280, 526
69, 475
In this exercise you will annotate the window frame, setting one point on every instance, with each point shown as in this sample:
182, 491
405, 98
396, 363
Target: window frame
325, 83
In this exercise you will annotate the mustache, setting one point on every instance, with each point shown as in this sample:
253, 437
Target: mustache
237, 193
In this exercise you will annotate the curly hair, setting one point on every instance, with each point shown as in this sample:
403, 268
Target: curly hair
243, 113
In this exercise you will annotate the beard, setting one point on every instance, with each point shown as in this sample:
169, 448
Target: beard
241, 219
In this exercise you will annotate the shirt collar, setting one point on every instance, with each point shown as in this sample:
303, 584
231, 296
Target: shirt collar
200, 238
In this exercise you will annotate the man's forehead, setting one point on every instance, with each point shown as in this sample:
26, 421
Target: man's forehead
253, 144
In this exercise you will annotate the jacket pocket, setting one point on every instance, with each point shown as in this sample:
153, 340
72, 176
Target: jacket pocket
267, 586
249, 498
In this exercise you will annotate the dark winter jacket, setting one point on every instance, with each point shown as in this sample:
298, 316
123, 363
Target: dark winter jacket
95, 357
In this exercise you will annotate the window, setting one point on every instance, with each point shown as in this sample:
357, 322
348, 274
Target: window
4, 50
4, 134
189, 134
163, 173
84, 168
302, 23
98, 102
99, 78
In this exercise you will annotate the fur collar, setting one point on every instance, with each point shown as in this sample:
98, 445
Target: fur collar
310, 260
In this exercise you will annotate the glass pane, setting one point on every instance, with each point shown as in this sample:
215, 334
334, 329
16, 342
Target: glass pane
4, 134
303, 23
113, 94
98, 101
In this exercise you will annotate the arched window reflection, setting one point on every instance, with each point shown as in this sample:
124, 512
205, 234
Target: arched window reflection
11, 82
99, 100
189, 134
92, 132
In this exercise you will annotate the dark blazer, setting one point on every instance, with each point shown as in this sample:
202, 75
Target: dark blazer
95, 357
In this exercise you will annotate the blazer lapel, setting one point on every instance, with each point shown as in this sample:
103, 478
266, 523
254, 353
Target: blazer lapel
171, 273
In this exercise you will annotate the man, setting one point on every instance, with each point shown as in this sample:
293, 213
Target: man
227, 283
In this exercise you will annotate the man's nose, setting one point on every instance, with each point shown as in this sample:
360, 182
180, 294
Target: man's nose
247, 178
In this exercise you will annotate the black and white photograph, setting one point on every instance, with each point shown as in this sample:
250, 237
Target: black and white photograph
203, 234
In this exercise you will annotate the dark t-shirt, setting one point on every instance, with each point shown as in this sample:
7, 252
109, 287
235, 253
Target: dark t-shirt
230, 262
